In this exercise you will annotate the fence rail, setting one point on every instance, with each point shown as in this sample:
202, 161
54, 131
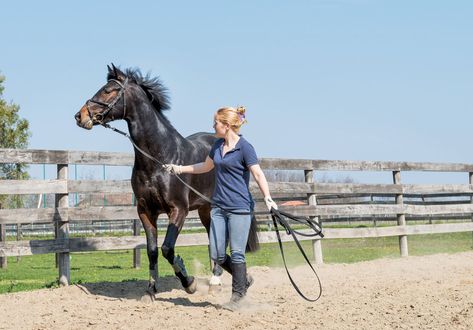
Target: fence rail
323, 201
65, 214
124, 186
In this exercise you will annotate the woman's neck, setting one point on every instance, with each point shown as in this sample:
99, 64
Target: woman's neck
231, 138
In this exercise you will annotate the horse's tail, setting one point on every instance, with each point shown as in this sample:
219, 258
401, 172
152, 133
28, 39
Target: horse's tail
253, 242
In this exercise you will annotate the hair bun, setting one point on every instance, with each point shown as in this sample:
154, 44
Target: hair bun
241, 110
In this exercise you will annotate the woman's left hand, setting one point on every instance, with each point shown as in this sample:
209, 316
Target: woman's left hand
270, 203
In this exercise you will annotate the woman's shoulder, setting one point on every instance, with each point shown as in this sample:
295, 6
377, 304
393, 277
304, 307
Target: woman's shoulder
246, 146
245, 143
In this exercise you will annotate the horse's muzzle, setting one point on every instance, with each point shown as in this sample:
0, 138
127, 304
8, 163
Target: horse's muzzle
84, 120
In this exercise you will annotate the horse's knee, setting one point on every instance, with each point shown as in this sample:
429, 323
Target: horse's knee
168, 253
152, 256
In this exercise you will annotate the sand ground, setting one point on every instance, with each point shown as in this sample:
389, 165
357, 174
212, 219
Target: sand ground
429, 292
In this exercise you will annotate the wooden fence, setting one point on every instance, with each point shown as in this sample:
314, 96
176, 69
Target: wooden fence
62, 213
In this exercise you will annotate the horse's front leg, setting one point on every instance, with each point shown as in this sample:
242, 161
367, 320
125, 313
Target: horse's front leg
149, 224
176, 220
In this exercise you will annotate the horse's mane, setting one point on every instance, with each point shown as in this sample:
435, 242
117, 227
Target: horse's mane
154, 89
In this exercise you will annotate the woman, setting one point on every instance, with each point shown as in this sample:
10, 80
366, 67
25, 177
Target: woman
233, 158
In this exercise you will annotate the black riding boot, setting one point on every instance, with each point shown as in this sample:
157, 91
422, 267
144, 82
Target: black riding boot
227, 265
239, 286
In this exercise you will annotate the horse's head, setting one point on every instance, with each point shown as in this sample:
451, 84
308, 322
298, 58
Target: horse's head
108, 104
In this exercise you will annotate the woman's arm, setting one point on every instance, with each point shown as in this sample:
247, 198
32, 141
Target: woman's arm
198, 168
260, 179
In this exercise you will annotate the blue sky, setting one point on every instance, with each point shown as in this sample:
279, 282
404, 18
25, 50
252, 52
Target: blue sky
355, 80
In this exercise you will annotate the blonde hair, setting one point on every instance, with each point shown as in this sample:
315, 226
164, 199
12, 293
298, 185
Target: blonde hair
232, 117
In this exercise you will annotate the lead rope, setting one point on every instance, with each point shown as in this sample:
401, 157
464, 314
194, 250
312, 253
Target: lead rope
157, 161
277, 216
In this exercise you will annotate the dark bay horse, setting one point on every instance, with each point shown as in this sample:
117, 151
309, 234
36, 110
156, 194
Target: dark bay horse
140, 101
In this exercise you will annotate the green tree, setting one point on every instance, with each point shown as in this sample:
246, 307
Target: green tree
14, 133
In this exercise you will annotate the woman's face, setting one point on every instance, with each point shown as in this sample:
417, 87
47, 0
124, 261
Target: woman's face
220, 128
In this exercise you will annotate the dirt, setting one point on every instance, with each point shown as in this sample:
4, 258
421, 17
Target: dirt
429, 292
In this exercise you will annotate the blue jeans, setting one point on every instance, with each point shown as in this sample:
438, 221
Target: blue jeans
225, 228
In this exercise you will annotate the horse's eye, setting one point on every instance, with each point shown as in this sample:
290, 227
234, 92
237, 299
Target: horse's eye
108, 90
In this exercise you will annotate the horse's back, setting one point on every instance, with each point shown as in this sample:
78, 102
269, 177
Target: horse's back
202, 138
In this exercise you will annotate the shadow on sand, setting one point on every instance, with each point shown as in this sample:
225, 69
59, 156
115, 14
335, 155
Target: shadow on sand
136, 290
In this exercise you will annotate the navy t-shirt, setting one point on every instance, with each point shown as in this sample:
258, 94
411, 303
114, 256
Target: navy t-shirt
232, 175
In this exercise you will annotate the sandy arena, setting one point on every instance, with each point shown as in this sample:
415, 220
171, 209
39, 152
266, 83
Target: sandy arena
431, 292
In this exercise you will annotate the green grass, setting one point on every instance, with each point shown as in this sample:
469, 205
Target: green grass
38, 271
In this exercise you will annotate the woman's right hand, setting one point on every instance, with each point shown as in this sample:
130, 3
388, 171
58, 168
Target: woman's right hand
173, 169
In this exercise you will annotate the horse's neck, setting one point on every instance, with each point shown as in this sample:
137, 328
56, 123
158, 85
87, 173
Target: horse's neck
153, 133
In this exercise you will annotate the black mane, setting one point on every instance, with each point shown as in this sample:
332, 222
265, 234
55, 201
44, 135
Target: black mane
154, 89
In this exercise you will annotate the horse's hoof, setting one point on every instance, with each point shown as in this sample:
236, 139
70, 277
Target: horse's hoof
152, 292
192, 287
214, 289
147, 298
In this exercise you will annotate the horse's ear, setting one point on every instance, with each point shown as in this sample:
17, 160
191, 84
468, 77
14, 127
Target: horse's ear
115, 70
116, 73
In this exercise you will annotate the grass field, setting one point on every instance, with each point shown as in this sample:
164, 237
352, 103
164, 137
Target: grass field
34, 272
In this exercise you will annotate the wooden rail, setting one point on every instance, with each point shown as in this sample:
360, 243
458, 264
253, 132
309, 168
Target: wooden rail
62, 214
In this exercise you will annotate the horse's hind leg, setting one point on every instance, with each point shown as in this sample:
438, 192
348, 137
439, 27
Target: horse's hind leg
215, 281
176, 220
149, 224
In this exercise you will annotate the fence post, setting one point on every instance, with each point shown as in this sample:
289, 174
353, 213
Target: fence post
470, 181
401, 218
136, 251
18, 237
312, 200
3, 238
62, 230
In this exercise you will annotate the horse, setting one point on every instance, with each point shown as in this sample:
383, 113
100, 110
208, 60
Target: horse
140, 101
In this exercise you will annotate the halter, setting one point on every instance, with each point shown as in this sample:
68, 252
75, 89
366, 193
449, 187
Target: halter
99, 117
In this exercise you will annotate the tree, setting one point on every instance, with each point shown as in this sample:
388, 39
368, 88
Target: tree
14, 133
